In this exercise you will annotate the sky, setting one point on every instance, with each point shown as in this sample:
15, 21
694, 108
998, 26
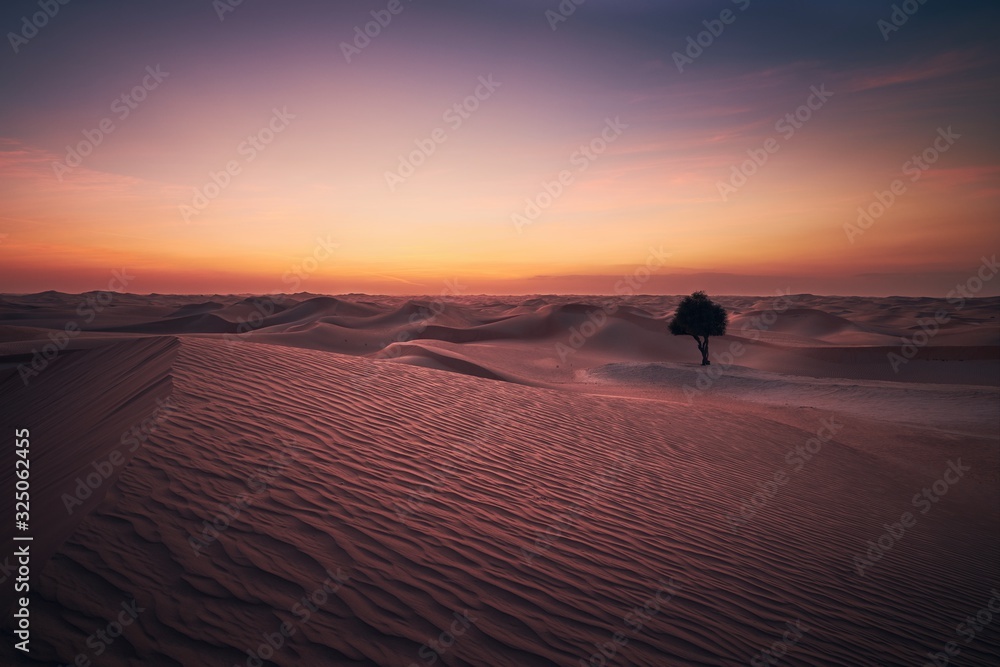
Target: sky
512, 147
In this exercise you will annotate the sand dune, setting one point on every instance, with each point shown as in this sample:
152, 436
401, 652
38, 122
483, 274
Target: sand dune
943, 406
806, 322
197, 308
461, 490
202, 323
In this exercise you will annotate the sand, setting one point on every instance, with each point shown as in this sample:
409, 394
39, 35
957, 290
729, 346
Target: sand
506, 480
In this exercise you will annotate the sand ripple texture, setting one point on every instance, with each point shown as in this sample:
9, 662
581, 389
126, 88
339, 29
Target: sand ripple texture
545, 518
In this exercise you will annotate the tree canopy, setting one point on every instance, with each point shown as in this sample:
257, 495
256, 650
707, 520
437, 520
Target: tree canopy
699, 317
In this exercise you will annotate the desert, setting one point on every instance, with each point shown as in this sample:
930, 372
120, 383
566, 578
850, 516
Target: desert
488, 480
508, 333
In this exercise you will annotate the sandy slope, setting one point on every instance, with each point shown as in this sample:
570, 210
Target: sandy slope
546, 505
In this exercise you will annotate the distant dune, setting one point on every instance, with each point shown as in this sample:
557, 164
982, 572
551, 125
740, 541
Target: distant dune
197, 308
532, 475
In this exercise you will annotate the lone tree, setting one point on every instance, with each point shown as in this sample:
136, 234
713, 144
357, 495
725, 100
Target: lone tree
699, 317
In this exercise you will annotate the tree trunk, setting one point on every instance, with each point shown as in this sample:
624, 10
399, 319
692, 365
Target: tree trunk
703, 347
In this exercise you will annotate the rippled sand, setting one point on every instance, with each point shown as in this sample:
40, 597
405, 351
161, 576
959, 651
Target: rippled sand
471, 497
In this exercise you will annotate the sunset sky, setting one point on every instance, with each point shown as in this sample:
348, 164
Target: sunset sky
327, 132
